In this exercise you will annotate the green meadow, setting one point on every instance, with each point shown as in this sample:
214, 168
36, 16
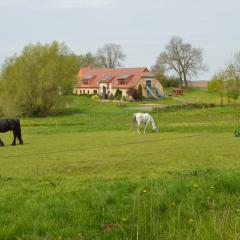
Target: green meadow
86, 174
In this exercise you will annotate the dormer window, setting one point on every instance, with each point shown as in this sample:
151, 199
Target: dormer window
87, 78
122, 82
85, 82
122, 79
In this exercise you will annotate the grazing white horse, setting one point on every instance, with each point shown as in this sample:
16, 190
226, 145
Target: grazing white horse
146, 118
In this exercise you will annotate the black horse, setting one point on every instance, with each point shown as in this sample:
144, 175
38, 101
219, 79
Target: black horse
11, 125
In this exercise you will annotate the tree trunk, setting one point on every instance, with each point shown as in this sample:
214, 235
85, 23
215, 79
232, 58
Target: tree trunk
221, 103
180, 80
185, 79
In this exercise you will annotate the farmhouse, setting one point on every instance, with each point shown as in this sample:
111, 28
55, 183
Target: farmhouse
104, 81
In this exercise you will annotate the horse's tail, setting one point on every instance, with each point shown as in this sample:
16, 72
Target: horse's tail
19, 132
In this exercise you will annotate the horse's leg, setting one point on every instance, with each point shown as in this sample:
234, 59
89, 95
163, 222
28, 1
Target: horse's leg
138, 127
19, 133
20, 140
145, 128
14, 137
19, 136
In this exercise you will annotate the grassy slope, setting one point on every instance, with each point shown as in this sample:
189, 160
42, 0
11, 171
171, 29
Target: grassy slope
203, 96
86, 175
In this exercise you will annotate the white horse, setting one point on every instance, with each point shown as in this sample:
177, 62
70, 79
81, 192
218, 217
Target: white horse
146, 118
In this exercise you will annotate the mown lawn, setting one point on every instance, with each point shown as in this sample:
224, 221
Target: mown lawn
85, 174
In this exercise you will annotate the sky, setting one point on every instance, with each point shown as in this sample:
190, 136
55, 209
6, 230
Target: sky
141, 27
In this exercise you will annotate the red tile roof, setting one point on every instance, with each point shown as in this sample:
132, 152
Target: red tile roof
97, 75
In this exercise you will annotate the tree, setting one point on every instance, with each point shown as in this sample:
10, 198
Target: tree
232, 82
110, 56
216, 85
160, 72
133, 93
140, 92
226, 82
88, 60
33, 81
181, 58
236, 62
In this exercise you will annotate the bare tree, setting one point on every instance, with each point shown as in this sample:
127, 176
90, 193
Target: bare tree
182, 58
110, 56
87, 60
237, 61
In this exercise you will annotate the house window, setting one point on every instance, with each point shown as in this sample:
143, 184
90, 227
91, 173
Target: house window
95, 91
149, 83
85, 82
80, 91
76, 92
121, 82
83, 91
88, 91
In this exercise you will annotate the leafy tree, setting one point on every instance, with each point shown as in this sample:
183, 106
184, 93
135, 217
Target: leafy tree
110, 56
140, 92
33, 81
226, 82
216, 85
181, 58
232, 82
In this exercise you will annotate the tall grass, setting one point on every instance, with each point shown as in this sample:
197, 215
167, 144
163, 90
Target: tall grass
78, 178
179, 206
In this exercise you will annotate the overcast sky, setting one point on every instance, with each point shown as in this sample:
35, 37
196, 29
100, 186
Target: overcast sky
142, 27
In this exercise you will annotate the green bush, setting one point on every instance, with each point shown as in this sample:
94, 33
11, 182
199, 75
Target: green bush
118, 94
95, 97
124, 98
111, 97
169, 82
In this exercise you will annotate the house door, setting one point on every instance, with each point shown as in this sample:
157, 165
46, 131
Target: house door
104, 91
148, 87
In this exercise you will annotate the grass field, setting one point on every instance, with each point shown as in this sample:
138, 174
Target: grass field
85, 174
203, 96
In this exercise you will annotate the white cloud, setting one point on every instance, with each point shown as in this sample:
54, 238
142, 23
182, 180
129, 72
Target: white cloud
208, 46
79, 3
57, 3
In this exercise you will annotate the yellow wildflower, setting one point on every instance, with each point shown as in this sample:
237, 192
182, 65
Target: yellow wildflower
191, 220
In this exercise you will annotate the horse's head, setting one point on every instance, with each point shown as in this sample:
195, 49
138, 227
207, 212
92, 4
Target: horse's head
155, 129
